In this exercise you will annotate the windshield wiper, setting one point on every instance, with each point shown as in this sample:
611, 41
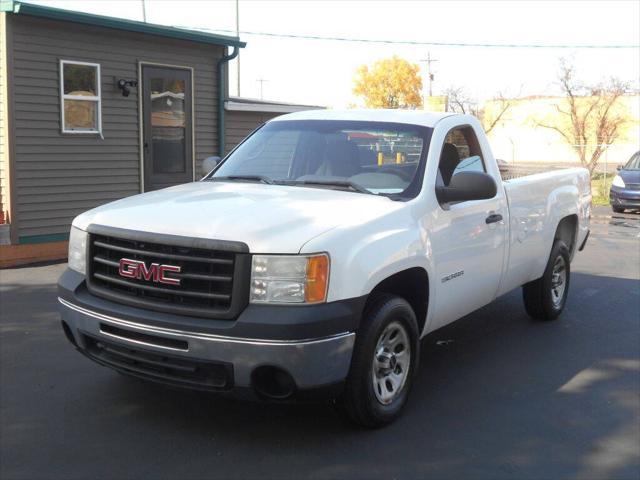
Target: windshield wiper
331, 183
249, 178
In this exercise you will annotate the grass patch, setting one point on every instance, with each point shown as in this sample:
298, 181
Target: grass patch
600, 188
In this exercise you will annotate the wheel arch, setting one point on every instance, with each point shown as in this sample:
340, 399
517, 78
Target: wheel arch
411, 284
567, 231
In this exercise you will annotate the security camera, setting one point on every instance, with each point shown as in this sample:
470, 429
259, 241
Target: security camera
125, 84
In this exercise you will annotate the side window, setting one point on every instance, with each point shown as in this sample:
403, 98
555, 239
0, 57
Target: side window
80, 97
460, 152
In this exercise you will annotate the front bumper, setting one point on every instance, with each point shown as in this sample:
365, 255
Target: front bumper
624, 198
168, 351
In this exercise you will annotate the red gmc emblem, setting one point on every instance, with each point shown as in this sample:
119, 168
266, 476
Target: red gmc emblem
155, 272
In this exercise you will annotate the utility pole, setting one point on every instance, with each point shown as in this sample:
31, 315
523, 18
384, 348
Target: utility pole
262, 80
238, 35
144, 12
430, 76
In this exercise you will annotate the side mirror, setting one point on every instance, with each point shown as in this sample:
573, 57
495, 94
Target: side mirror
209, 164
466, 186
619, 167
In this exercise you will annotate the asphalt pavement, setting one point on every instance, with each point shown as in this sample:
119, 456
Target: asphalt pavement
498, 396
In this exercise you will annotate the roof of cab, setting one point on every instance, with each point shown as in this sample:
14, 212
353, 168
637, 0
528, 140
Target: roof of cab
411, 117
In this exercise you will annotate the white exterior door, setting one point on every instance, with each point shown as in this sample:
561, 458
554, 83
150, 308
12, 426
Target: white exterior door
468, 238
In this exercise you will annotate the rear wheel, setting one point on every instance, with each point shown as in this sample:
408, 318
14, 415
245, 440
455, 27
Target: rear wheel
617, 209
544, 298
384, 362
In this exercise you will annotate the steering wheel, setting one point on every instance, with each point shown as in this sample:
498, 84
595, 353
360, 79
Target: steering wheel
397, 171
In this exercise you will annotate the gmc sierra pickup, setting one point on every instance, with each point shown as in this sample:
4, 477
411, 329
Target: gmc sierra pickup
313, 258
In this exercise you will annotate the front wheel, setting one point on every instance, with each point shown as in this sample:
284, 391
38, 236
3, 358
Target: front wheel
384, 361
544, 298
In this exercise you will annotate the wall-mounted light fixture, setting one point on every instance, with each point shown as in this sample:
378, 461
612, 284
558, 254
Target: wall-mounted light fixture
125, 85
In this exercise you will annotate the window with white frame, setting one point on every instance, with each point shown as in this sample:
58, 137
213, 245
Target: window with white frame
80, 97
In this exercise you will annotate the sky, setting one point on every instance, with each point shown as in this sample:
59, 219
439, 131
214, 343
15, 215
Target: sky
321, 72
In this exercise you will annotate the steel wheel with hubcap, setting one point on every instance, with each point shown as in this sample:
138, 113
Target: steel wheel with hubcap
558, 279
384, 361
391, 362
545, 297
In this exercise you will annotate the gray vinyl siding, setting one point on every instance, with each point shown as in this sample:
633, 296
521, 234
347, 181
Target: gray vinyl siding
57, 175
240, 124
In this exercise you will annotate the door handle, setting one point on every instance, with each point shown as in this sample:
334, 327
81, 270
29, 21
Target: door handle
493, 218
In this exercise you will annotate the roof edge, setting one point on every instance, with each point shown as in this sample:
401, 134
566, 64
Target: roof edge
22, 8
236, 104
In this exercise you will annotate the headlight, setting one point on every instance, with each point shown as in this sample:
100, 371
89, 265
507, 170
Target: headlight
618, 182
78, 250
289, 278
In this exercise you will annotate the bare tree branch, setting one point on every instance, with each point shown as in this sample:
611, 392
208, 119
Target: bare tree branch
459, 102
590, 123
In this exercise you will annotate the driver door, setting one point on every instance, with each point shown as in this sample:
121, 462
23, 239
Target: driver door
468, 243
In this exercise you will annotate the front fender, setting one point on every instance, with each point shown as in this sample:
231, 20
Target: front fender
364, 255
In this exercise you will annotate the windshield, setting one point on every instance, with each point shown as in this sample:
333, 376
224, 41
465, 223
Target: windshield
368, 157
634, 162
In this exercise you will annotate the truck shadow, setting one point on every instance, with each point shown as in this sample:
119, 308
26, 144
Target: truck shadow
497, 396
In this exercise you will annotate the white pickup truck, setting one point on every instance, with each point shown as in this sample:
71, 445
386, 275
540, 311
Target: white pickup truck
314, 257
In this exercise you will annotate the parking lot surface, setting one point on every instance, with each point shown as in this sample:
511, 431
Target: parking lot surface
498, 396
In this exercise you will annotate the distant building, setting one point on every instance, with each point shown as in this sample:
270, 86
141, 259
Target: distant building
517, 138
436, 103
94, 108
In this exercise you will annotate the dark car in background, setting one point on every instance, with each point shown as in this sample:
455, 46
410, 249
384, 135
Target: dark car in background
625, 188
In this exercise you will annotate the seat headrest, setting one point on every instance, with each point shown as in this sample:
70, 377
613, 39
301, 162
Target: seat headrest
341, 158
449, 160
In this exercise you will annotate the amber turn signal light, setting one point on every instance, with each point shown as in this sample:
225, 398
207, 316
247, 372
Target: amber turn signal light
317, 279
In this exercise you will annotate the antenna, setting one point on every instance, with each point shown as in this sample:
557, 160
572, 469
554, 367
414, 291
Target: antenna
262, 80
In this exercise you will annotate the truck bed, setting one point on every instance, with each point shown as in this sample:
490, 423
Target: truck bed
536, 204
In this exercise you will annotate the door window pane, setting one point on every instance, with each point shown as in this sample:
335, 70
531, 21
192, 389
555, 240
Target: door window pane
167, 103
168, 149
168, 125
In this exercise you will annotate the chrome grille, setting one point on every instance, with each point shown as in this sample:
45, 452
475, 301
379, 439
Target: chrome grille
208, 277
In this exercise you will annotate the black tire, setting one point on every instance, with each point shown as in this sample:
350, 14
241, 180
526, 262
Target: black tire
539, 296
359, 399
617, 209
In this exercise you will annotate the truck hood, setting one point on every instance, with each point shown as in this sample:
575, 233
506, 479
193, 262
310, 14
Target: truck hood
268, 218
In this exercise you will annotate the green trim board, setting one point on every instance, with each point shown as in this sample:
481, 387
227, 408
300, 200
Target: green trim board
21, 8
54, 237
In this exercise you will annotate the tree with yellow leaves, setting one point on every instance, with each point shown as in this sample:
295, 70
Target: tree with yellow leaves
389, 83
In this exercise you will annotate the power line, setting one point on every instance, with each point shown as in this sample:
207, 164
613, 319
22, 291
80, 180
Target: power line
411, 42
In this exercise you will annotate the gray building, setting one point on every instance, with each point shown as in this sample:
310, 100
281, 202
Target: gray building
95, 108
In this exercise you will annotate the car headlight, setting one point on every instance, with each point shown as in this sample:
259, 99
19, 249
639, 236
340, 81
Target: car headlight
78, 250
618, 182
289, 278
